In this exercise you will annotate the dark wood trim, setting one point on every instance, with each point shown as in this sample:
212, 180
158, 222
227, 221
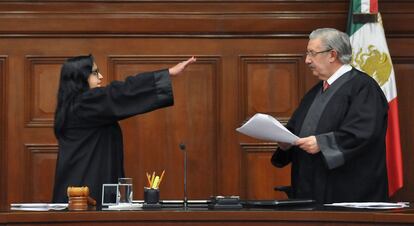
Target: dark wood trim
205, 217
214, 18
3, 129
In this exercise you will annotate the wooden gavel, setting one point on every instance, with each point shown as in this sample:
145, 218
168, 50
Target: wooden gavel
81, 192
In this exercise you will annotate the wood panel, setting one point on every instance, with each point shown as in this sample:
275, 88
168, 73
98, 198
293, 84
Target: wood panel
202, 117
250, 59
270, 84
39, 161
169, 17
152, 139
41, 85
207, 17
258, 176
3, 130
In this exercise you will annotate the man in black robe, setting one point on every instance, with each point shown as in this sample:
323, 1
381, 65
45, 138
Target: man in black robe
340, 156
90, 139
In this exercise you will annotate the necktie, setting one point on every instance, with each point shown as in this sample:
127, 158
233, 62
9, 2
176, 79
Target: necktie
325, 85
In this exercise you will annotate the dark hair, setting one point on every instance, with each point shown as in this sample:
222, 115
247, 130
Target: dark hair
73, 81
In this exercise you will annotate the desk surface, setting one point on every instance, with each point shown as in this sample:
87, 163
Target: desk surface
198, 216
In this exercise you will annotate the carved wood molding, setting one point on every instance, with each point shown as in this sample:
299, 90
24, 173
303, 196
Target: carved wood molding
32, 151
271, 64
156, 18
3, 129
35, 116
213, 18
252, 150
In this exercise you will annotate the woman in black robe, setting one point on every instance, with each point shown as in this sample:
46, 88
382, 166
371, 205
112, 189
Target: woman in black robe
86, 121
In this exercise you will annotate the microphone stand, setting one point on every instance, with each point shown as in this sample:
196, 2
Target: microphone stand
182, 147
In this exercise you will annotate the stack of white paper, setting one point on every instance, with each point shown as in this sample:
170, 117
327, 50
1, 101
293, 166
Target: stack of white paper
265, 127
371, 205
133, 206
38, 206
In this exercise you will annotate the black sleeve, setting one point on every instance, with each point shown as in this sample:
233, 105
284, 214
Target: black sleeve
121, 99
281, 158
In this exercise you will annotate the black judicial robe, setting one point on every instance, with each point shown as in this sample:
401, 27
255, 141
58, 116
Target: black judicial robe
91, 148
349, 121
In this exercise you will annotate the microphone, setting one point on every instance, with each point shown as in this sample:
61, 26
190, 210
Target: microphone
182, 147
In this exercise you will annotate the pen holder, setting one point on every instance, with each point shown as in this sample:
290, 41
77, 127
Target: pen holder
151, 198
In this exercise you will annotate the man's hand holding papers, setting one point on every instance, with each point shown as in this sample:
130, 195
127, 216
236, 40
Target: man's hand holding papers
265, 127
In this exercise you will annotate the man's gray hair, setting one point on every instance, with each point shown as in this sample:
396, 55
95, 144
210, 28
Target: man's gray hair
334, 39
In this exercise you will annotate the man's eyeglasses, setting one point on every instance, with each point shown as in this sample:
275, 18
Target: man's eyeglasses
313, 53
95, 72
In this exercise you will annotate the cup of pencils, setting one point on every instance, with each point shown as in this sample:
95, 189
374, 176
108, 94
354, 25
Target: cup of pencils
152, 191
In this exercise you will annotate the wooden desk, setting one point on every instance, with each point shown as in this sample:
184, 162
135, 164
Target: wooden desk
210, 217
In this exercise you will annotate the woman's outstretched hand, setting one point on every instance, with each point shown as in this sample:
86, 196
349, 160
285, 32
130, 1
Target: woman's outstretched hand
178, 68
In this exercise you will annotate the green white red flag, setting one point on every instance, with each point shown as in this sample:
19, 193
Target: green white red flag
371, 55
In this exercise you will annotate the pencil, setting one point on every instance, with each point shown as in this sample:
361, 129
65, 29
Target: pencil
162, 176
152, 178
149, 180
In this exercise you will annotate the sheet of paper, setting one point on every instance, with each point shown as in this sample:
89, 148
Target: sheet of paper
265, 127
133, 206
38, 206
371, 205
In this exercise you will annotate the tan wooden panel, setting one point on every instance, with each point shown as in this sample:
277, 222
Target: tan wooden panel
271, 84
41, 85
152, 139
39, 177
259, 177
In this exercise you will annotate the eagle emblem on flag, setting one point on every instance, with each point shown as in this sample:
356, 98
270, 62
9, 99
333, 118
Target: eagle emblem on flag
375, 63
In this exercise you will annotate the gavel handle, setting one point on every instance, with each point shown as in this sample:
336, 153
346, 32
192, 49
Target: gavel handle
91, 201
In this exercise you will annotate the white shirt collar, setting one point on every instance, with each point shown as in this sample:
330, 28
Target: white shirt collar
338, 73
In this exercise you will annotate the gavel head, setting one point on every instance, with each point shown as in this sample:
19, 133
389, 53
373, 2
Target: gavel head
78, 191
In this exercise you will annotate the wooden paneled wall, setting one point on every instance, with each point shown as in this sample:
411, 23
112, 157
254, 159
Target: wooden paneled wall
250, 59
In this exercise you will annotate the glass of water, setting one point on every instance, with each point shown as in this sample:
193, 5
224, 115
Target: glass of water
124, 191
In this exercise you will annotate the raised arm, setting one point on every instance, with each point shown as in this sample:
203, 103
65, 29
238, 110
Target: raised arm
178, 68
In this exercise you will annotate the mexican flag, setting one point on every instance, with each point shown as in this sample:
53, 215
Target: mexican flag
370, 54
